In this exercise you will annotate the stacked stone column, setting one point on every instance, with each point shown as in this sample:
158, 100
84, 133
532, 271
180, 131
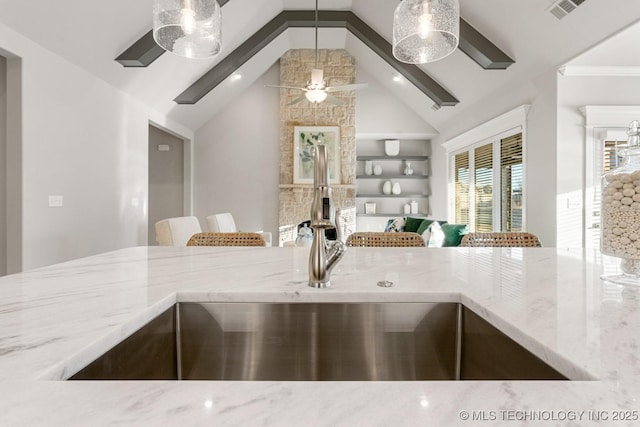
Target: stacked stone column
295, 70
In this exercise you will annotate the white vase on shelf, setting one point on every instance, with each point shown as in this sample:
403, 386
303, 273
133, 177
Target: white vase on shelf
396, 188
407, 169
368, 167
386, 187
392, 147
377, 170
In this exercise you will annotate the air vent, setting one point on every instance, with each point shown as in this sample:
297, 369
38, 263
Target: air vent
562, 8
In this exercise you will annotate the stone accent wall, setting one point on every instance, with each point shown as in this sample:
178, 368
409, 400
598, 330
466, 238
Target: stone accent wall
295, 70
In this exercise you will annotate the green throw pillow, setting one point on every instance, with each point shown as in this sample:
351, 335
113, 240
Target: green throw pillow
412, 224
453, 233
425, 224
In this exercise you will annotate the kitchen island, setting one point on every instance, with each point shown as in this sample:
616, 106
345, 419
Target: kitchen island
56, 320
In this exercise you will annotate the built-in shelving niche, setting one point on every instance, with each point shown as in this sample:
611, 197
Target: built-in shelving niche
414, 187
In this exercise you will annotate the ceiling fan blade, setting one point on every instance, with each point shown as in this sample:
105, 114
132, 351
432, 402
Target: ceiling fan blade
298, 99
288, 87
354, 86
335, 101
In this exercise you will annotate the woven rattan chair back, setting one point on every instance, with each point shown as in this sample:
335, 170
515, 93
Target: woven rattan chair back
226, 239
385, 239
521, 239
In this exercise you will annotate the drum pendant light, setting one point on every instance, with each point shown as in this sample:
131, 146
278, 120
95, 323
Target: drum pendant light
425, 30
189, 28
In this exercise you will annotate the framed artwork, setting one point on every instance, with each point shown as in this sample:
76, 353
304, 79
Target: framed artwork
305, 138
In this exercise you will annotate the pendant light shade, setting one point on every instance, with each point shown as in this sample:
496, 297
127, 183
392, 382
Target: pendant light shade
189, 28
425, 30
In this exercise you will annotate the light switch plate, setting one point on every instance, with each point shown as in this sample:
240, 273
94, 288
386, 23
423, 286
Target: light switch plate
55, 201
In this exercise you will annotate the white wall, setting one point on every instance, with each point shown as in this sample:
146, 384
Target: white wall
573, 93
541, 163
3, 165
378, 112
84, 140
540, 197
236, 159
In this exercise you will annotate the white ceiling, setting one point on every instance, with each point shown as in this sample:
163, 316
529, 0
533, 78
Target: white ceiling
91, 34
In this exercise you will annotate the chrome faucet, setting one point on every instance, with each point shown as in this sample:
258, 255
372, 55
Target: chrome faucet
323, 257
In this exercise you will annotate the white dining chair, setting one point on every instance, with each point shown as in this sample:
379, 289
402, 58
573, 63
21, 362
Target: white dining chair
224, 223
177, 231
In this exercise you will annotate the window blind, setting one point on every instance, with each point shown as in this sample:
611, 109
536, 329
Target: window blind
483, 167
461, 181
511, 178
612, 155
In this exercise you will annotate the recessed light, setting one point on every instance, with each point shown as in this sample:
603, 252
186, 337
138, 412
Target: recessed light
397, 79
236, 76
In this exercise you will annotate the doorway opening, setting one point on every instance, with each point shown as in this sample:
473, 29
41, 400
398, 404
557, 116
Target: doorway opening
3, 165
10, 163
170, 186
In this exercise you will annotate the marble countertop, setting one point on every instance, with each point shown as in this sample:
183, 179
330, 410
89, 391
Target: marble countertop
57, 319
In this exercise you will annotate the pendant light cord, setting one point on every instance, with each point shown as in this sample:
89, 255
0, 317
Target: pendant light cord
315, 104
316, 24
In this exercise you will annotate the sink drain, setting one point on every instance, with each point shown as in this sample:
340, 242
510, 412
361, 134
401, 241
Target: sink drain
385, 284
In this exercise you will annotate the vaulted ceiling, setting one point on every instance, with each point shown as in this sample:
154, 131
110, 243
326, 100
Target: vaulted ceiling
91, 35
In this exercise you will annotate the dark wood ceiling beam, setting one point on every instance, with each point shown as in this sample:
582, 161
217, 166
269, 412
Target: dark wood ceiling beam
326, 19
142, 53
233, 61
145, 50
472, 43
481, 50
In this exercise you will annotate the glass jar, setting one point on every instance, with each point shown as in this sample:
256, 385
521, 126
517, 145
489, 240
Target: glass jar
620, 211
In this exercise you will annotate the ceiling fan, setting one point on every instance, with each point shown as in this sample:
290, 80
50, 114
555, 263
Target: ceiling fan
316, 89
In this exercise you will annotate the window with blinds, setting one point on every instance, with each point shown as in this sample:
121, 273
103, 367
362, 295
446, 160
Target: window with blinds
483, 179
461, 182
511, 183
488, 185
612, 156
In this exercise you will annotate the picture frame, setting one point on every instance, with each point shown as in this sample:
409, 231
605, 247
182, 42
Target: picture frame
305, 138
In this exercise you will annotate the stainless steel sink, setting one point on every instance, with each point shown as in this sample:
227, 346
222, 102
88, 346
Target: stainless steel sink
322, 341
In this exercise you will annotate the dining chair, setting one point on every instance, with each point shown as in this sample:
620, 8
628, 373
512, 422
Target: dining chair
385, 239
502, 239
224, 223
226, 239
176, 231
